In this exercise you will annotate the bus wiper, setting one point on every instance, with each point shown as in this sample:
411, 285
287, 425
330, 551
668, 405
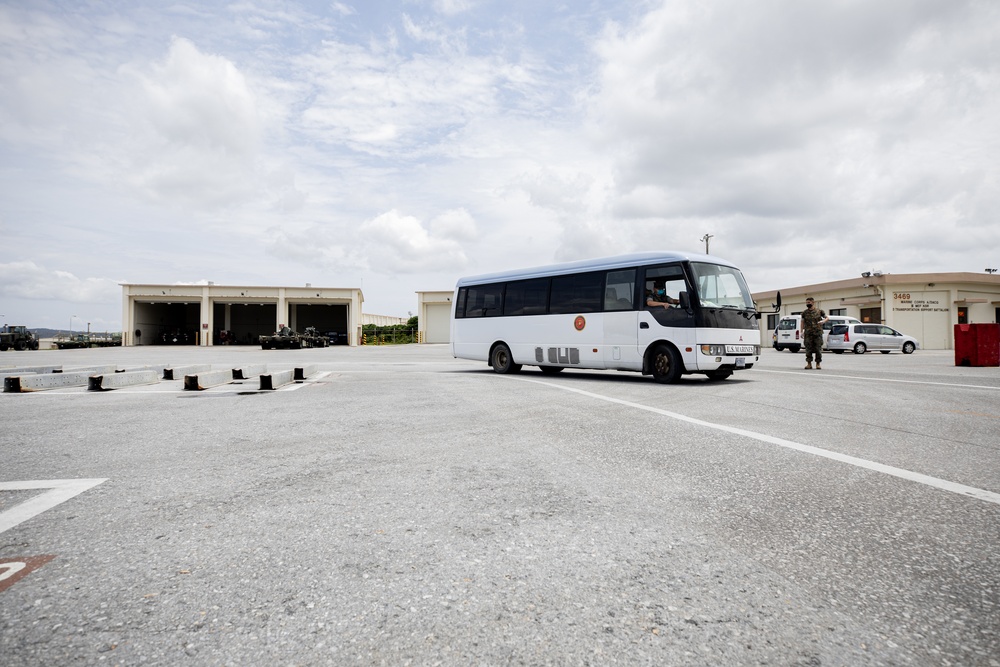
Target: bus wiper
747, 312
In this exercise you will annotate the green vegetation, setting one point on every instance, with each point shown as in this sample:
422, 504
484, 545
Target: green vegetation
395, 334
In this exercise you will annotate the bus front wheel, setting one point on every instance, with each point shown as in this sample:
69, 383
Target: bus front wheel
502, 361
666, 364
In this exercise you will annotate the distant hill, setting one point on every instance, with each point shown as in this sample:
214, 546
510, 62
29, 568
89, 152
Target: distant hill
46, 333
52, 333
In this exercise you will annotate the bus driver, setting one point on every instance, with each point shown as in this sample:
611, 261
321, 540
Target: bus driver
657, 297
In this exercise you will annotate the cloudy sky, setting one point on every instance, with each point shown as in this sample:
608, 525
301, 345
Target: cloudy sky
396, 146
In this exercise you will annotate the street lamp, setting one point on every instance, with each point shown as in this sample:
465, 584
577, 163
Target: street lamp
705, 238
71, 324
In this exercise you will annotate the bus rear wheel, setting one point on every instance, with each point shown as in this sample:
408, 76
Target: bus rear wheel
502, 361
666, 364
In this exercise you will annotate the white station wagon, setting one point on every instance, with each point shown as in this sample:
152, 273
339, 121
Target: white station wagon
863, 337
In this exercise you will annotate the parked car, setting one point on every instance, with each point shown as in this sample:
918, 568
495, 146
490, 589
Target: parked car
789, 334
863, 337
834, 320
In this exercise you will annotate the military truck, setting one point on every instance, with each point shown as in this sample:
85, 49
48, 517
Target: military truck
282, 339
17, 337
72, 342
287, 339
311, 337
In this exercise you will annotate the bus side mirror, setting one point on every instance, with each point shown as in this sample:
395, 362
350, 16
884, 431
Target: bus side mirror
776, 306
685, 300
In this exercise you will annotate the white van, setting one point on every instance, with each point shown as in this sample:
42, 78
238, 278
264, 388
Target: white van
789, 333
791, 336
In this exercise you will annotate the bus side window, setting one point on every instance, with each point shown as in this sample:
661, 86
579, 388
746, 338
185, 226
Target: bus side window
665, 284
620, 290
483, 300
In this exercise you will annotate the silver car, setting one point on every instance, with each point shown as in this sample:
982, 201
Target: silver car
863, 337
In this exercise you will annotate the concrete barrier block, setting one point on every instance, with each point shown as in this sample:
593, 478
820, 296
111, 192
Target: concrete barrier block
180, 371
303, 372
247, 372
158, 369
93, 370
28, 370
208, 379
118, 380
276, 379
41, 382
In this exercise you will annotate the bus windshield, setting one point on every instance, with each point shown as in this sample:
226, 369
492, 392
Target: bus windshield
721, 286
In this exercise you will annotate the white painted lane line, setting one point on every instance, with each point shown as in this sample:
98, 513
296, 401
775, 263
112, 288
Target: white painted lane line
60, 491
825, 374
909, 475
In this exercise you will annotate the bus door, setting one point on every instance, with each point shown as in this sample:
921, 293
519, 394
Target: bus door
620, 317
660, 313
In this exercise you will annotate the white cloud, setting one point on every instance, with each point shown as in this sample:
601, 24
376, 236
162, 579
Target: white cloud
321, 142
451, 7
196, 130
399, 243
456, 225
837, 122
28, 280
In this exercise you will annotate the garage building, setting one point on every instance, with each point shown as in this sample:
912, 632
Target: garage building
434, 316
213, 314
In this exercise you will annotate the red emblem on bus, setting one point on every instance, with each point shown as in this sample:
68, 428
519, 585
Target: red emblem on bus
579, 323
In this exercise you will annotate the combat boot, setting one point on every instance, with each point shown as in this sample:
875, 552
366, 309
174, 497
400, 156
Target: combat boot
809, 365
818, 367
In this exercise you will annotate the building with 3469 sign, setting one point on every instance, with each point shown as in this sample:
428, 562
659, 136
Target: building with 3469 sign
923, 305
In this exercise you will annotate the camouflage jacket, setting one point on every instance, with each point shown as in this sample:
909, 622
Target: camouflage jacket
811, 318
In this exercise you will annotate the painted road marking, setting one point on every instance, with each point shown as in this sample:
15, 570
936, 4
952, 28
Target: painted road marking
14, 569
826, 374
942, 484
60, 490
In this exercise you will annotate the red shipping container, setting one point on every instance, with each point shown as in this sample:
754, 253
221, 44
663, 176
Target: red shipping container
977, 344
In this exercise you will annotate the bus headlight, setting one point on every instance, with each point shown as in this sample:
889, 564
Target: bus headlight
713, 350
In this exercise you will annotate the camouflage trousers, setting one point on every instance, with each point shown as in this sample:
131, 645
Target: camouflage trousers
814, 346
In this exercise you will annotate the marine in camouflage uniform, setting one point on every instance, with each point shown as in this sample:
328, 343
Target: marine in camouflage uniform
812, 330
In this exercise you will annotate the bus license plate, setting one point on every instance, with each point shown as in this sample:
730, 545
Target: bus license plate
741, 362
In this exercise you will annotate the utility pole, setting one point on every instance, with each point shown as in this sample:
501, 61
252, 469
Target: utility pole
705, 238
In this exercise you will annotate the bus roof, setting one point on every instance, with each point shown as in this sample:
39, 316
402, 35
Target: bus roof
597, 264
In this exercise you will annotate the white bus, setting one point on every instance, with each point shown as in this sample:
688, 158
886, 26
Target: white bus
598, 314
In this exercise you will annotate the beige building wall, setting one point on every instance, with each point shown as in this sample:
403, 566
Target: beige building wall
926, 306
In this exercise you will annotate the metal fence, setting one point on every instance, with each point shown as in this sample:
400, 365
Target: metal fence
391, 335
